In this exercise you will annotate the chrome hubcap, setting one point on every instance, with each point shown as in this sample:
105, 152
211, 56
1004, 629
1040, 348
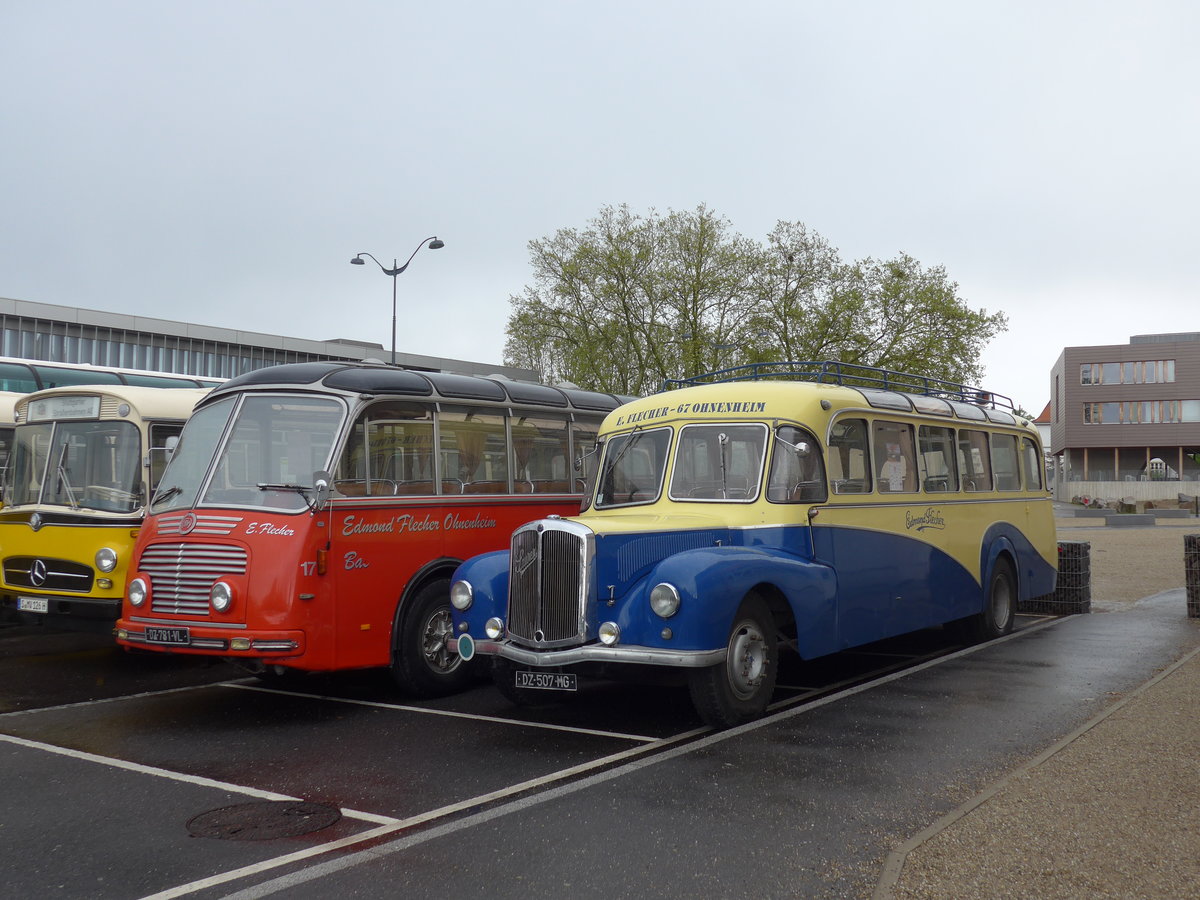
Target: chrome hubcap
1001, 601
747, 662
438, 628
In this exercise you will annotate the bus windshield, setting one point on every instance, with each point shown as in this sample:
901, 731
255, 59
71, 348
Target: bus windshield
633, 468
273, 444
81, 465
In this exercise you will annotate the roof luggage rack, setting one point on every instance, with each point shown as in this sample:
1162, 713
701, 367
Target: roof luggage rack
848, 375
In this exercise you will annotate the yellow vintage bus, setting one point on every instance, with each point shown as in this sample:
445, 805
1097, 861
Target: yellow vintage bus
83, 462
811, 507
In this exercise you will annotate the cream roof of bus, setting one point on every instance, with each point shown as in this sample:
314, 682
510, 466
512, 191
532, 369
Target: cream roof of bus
149, 402
794, 400
8, 406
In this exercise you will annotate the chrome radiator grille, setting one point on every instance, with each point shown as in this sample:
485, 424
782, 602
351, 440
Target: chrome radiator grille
181, 575
547, 583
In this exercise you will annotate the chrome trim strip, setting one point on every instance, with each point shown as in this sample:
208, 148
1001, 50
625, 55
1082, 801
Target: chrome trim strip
273, 645
647, 656
191, 623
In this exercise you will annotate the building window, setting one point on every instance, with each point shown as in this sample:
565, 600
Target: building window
1147, 412
1154, 371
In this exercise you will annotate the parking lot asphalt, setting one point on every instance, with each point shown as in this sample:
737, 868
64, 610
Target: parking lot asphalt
854, 792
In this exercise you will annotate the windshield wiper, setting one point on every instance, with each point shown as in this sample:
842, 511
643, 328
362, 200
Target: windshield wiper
629, 442
166, 494
288, 486
62, 476
611, 467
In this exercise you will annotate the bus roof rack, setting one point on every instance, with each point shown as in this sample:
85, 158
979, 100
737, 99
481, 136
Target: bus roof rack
848, 375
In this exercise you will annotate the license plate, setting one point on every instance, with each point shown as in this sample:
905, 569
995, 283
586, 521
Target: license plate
546, 681
168, 636
33, 604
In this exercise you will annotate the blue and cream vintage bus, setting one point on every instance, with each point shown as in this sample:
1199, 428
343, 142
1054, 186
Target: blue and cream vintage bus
811, 507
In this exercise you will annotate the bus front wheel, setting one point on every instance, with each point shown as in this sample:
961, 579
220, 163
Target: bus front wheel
739, 689
422, 664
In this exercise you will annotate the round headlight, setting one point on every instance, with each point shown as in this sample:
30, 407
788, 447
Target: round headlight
221, 596
137, 591
610, 633
664, 600
461, 595
106, 559
494, 628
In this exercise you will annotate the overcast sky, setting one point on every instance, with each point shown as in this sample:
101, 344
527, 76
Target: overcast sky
220, 162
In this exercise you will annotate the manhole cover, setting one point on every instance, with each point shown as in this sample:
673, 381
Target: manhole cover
263, 820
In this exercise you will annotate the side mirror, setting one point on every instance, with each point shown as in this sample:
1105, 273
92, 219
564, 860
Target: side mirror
171, 443
321, 485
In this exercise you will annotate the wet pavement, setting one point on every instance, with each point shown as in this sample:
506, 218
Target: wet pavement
619, 792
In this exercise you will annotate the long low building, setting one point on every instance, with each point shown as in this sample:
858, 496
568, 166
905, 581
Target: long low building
45, 331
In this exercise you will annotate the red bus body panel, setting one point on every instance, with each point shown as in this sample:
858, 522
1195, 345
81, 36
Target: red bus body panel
341, 618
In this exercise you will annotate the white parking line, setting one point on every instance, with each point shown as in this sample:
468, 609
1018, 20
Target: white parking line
199, 780
406, 842
448, 713
103, 700
627, 759
419, 819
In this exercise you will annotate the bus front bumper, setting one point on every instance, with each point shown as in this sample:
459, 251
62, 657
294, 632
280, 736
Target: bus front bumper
191, 637
32, 606
642, 656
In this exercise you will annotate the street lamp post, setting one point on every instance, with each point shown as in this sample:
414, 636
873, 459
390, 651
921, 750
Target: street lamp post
432, 242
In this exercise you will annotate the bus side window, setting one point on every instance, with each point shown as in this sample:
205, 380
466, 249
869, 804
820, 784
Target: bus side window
1004, 462
474, 450
539, 451
163, 440
389, 451
848, 445
1033, 465
974, 460
797, 475
895, 459
937, 457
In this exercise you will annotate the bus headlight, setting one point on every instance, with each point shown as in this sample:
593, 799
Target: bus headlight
220, 597
494, 628
664, 600
461, 595
137, 592
609, 633
106, 559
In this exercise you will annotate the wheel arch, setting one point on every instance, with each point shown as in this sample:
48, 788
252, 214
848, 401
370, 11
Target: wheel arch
800, 594
781, 610
997, 547
435, 569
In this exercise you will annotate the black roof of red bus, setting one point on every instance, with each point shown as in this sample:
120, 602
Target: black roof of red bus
381, 379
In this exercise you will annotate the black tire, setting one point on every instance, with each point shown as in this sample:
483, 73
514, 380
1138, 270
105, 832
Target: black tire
739, 689
421, 663
999, 608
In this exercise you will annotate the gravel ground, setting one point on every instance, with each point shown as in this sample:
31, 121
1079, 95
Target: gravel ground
1112, 811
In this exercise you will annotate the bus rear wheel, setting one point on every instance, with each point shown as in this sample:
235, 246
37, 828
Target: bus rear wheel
739, 689
999, 608
422, 664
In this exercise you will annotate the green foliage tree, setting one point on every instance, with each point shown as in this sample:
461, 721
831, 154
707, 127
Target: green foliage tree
632, 300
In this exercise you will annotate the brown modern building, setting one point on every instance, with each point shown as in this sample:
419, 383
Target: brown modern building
1129, 414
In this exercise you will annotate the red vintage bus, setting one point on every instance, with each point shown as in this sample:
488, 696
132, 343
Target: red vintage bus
312, 514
